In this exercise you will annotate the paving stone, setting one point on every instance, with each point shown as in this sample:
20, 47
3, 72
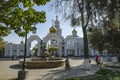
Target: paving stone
9, 70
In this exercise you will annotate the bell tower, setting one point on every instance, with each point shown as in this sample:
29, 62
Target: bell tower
57, 25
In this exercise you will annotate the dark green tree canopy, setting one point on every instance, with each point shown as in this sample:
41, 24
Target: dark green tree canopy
112, 40
96, 39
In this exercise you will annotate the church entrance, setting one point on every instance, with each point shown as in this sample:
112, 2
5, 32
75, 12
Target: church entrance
70, 48
70, 52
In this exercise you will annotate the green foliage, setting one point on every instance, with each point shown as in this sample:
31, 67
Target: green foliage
4, 31
102, 74
39, 2
75, 79
35, 51
108, 39
22, 42
1, 43
19, 15
112, 40
105, 6
108, 72
96, 39
53, 48
75, 21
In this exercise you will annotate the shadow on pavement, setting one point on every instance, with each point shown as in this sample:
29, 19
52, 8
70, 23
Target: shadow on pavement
15, 66
14, 79
77, 71
75, 58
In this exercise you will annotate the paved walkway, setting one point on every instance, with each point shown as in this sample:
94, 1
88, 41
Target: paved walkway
74, 72
9, 70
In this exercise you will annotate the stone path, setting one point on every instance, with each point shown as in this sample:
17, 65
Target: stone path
9, 70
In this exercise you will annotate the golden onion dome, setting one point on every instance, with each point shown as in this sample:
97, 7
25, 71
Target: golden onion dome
52, 29
74, 31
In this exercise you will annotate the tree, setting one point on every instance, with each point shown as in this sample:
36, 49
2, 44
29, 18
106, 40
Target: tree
1, 45
19, 15
35, 51
85, 13
4, 31
96, 39
112, 40
79, 13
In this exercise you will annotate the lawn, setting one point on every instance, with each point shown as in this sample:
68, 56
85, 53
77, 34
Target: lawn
102, 74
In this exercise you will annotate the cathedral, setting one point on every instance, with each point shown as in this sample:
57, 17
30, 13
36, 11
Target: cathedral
54, 42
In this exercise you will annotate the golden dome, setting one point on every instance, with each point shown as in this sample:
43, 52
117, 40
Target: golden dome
52, 29
74, 31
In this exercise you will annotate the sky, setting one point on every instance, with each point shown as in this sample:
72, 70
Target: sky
43, 29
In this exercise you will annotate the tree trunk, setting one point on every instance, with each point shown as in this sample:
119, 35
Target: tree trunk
85, 43
86, 53
85, 39
25, 52
101, 52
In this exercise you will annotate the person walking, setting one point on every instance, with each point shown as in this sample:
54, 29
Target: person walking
97, 59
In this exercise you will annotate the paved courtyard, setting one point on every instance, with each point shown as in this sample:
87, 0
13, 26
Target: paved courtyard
9, 70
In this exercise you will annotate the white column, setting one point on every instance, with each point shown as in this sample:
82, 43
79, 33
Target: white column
80, 52
28, 49
92, 52
22, 48
38, 50
75, 48
60, 49
65, 49
6, 52
18, 51
11, 51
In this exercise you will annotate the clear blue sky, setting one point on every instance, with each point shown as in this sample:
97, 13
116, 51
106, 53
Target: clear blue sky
43, 29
